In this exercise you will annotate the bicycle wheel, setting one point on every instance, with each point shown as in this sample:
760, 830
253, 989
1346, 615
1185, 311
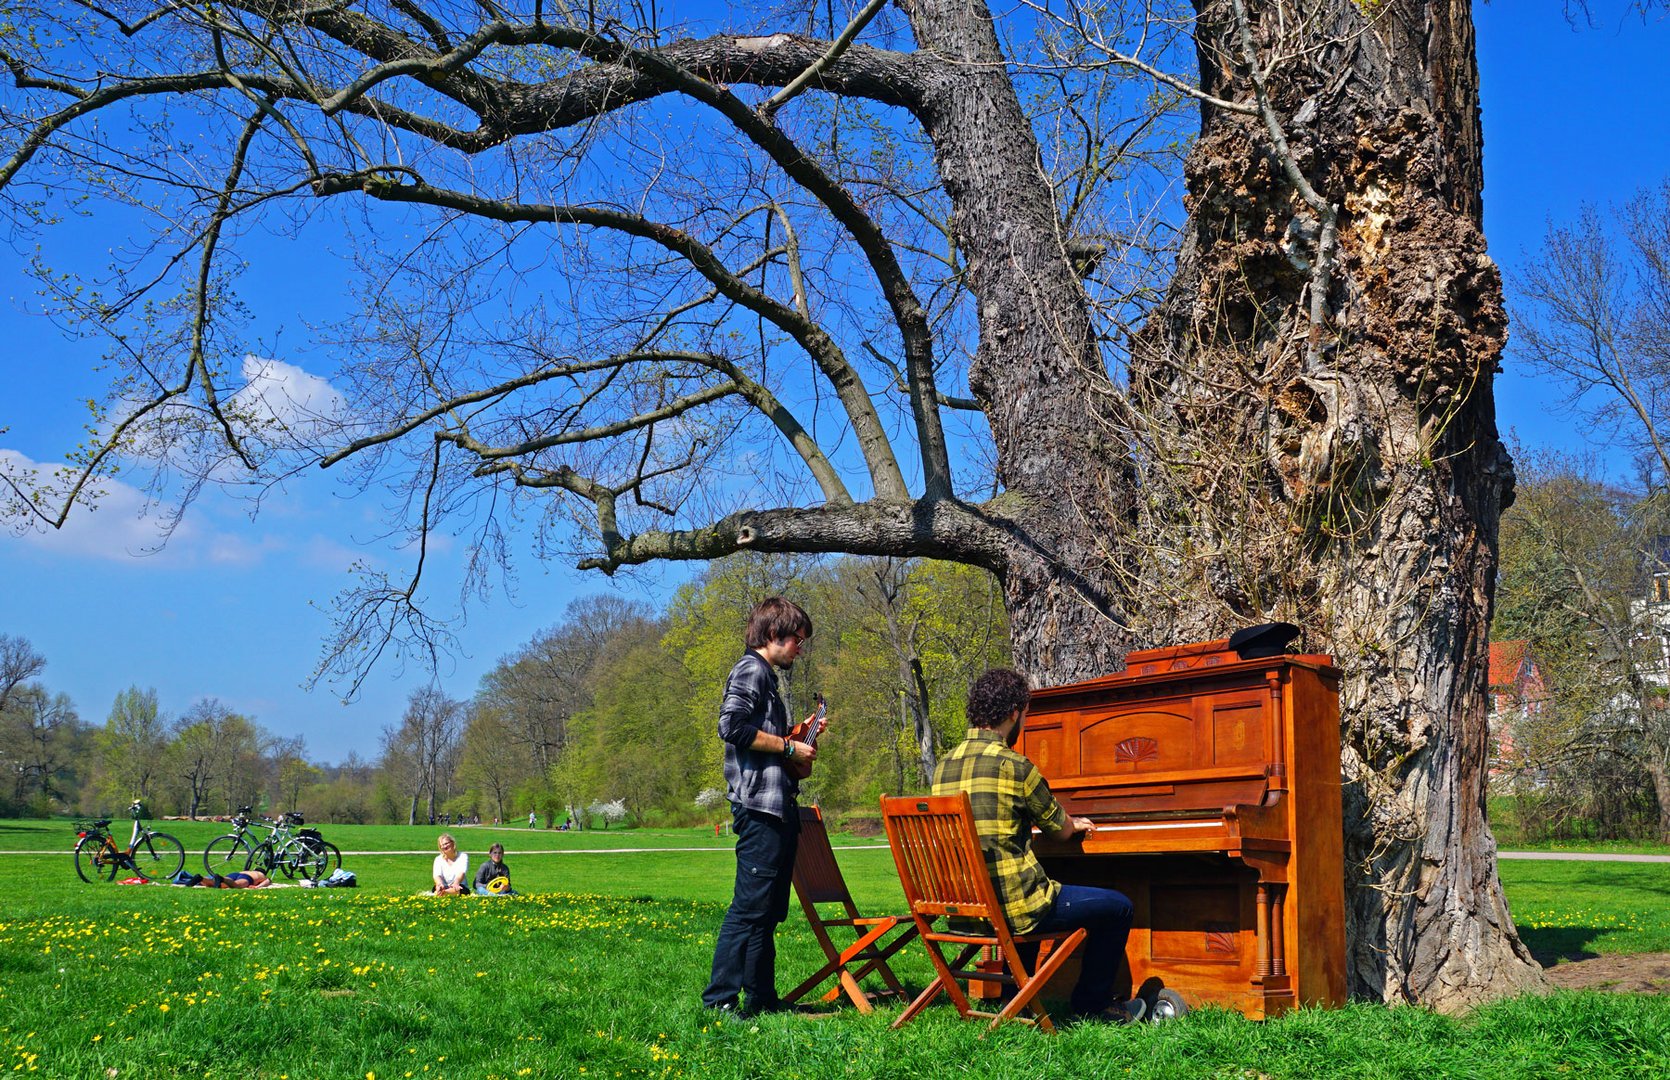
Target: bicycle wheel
334, 856
91, 860
226, 854
158, 856
261, 858
305, 859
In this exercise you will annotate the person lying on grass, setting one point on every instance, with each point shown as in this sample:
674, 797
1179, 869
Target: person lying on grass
493, 870
452, 868
237, 879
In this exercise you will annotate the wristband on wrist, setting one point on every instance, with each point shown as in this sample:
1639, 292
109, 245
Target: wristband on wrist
788, 749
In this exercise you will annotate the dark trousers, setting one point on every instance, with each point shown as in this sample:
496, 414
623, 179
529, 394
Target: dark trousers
745, 956
1106, 915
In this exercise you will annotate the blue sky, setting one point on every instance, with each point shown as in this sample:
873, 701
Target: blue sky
227, 608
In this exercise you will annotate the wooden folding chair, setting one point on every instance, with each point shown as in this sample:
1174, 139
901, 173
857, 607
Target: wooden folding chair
818, 881
937, 850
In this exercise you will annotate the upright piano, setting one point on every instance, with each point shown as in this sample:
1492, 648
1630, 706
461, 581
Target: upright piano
1213, 778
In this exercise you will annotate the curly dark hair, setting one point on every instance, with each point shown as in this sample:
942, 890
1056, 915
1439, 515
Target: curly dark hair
995, 695
774, 619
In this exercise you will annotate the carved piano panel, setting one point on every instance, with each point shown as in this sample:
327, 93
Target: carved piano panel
1214, 782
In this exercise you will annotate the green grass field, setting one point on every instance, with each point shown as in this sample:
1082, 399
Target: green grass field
596, 972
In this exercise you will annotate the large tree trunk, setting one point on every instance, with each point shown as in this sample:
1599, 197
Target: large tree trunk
1661, 794
1359, 449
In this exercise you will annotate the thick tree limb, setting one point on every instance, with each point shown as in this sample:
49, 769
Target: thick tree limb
942, 529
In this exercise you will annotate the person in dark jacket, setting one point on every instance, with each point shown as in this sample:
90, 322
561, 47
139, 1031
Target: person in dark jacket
754, 725
490, 870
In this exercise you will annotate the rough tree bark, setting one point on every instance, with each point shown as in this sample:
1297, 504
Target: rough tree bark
1364, 431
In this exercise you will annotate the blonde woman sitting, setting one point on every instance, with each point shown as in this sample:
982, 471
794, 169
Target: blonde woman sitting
452, 868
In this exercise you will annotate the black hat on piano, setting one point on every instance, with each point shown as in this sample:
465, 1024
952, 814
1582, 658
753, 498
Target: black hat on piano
1266, 639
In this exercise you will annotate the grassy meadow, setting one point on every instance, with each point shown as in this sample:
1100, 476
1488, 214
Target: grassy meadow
595, 972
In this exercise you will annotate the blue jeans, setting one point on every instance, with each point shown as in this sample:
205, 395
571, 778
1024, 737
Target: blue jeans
1106, 914
745, 956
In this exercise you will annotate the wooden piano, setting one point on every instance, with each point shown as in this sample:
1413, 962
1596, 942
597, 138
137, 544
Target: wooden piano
1214, 782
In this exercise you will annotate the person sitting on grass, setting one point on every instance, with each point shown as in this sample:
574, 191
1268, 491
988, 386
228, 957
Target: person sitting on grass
452, 868
492, 870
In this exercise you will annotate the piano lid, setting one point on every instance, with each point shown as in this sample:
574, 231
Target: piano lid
1200, 657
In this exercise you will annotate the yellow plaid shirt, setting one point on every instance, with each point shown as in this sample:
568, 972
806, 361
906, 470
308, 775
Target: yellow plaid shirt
1009, 796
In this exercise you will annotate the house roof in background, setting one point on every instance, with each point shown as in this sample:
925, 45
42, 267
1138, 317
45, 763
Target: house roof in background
1507, 662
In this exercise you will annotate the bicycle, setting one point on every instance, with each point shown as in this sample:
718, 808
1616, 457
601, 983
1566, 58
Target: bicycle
333, 854
313, 846
152, 855
235, 850
283, 850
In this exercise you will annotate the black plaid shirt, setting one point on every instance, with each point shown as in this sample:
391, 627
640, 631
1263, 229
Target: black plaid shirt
754, 779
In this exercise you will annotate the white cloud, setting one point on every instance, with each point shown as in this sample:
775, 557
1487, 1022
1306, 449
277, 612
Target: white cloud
279, 404
121, 523
286, 395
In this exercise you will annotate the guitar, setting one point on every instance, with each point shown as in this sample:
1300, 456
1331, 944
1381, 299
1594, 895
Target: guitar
806, 732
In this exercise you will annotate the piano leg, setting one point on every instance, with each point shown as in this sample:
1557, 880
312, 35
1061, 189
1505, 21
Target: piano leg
1263, 931
1278, 936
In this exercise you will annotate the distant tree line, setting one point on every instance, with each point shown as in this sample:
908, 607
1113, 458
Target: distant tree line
606, 715
209, 760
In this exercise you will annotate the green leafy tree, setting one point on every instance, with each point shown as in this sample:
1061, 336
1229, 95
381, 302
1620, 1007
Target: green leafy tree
292, 774
41, 737
639, 746
1585, 581
921, 631
536, 691
492, 763
192, 758
134, 746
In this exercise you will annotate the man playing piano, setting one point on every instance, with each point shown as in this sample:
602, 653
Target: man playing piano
1009, 797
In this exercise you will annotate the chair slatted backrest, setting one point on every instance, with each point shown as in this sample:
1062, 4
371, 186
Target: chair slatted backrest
818, 881
937, 850
817, 877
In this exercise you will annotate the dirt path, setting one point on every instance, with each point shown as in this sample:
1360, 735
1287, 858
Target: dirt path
1641, 973
1581, 856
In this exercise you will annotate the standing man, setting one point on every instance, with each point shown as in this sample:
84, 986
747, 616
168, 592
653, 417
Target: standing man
1009, 797
754, 725
531, 819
